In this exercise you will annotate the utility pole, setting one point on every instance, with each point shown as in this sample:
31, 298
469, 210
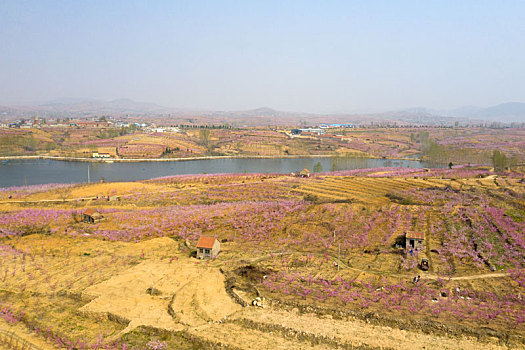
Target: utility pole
152, 283
338, 255
88, 175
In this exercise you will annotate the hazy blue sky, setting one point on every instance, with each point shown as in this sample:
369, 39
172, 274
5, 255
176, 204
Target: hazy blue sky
319, 56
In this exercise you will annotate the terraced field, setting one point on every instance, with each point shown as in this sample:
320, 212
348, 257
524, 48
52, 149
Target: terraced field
366, 190
282, 329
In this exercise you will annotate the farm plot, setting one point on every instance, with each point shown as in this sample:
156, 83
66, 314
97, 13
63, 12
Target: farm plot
363, 190
194, 294
347, 333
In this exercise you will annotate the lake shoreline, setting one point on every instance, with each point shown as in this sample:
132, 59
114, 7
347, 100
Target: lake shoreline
139, 160
33, 170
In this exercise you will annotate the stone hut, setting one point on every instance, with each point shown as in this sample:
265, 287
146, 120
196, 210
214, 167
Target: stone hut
208, 247
91, 216
415, 240
304, 173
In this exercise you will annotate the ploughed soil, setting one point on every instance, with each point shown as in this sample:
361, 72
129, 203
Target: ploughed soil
187, 293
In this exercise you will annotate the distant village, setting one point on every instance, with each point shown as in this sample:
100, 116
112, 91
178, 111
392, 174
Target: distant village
102, 122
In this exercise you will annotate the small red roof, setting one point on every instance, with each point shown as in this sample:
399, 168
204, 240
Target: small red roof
415, 235
206, 242
89, 212
306, 170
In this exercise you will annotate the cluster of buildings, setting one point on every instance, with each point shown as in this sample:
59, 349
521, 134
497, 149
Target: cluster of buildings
337, 126
308, 131
164, 129
21, 124
103, 122
321, 130
101, 155
94, 123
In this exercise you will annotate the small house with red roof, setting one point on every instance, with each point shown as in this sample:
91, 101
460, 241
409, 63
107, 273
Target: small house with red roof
415, 240
91, 216
208, 247
305, 173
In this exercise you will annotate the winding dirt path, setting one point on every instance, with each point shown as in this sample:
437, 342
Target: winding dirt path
488, 275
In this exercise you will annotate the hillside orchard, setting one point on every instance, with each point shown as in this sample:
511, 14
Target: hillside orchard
331, 246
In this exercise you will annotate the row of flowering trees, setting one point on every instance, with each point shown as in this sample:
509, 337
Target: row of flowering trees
479, 234
437, 299
473, 226
461, 171
22, 191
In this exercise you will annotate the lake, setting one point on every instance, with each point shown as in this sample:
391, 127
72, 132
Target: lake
41, 171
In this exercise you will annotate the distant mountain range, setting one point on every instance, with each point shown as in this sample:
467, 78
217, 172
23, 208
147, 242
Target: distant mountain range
75, 108
505, 112
83, 106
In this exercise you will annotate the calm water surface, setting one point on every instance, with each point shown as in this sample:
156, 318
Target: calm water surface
34, 172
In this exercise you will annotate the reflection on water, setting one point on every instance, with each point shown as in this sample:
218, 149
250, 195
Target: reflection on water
33, 172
